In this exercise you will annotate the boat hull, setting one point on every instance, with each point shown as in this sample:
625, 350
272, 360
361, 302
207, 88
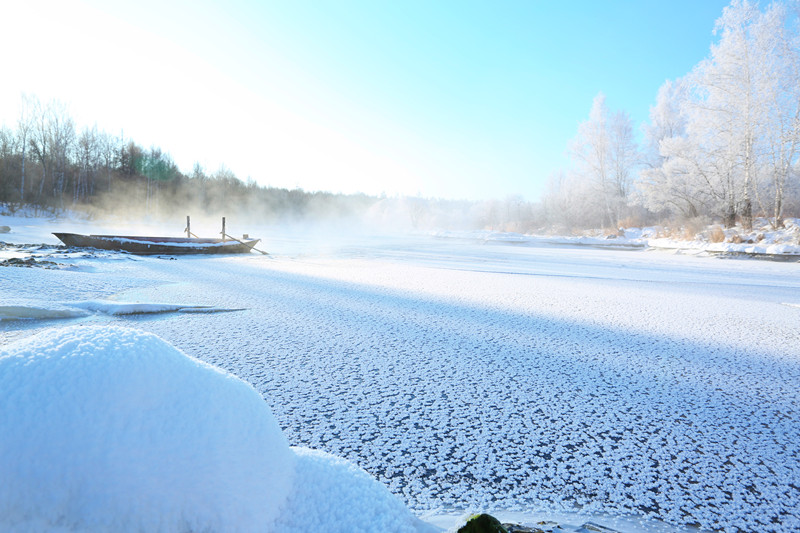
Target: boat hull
157, 245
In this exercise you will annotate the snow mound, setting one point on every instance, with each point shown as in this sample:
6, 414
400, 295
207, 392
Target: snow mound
345, 496
111, 429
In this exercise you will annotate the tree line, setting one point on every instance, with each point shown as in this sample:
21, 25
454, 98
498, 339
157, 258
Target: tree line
48, 164
722, 142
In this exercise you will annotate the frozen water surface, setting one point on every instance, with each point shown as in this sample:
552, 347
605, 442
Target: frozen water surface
468, 375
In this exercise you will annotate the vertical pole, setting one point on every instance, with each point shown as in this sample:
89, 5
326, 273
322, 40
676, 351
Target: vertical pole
188, 227
223, 228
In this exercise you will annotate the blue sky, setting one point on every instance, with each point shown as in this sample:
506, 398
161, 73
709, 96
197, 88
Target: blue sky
456, 99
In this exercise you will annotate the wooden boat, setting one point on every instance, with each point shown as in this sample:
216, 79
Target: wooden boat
158, 245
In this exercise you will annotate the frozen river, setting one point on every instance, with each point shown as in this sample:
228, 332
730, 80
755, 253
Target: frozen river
467, 374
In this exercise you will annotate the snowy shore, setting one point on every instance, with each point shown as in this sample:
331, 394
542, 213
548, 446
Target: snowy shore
761, 242
471, 374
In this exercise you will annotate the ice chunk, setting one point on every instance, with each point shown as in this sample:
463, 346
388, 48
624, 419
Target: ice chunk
25, 312
144, 308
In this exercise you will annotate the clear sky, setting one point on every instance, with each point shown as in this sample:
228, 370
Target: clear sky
442, 98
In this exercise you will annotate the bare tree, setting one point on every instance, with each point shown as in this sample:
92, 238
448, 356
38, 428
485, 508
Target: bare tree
109, 147
51, 142
40, 145
88, 159
201, 179
8, 144
62, 139
24, 128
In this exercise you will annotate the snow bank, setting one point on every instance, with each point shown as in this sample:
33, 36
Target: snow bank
631, 239
343, 496
109, 429
761, 242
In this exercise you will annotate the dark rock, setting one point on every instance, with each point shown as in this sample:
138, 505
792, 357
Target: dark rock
5, 229
18, 261
591, 526
482, 523
27, 262
516, 528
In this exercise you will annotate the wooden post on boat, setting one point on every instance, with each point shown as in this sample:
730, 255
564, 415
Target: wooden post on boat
188, 227
225, 237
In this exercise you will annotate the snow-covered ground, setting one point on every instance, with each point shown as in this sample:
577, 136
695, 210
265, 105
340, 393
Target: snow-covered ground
469, 373
762, 241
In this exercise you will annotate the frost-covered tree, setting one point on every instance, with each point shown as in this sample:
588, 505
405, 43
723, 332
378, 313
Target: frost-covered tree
727, 84
666, 119
779, 34
605, 156
692, 170
570, 202
667, 183
727, 134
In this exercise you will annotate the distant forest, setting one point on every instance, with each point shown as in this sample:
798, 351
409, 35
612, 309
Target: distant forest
50, 165
722, 147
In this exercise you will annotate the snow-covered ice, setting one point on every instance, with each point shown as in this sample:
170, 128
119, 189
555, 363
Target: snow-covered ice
473, 374
111, 429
